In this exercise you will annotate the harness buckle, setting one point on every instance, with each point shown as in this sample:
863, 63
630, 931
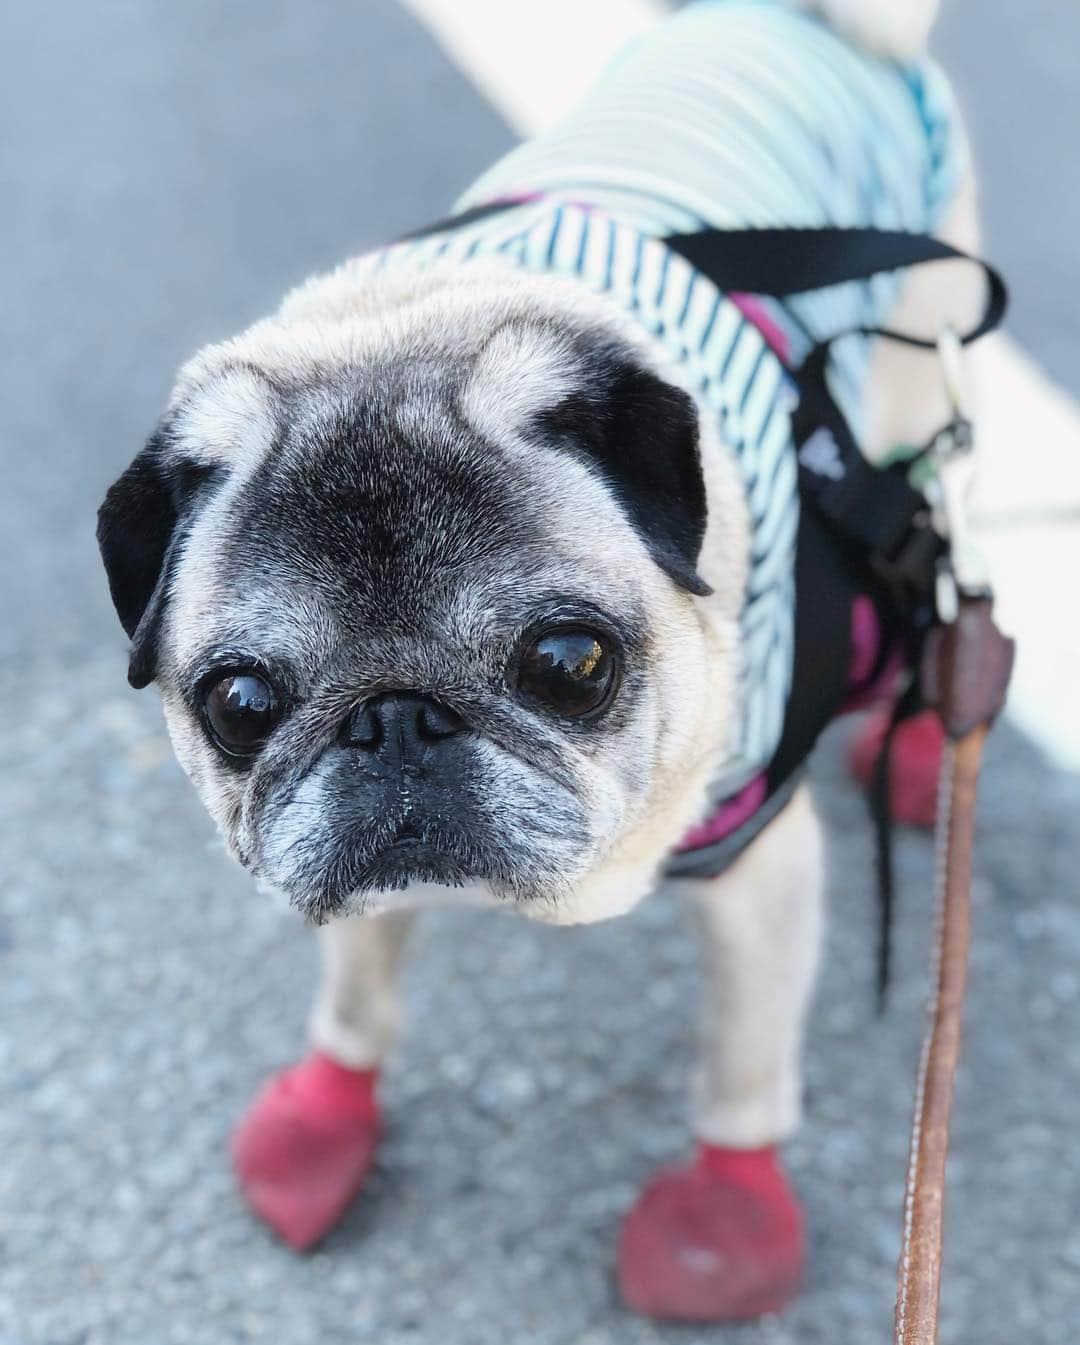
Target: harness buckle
961, 569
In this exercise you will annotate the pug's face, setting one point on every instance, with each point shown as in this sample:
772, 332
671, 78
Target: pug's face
421, 609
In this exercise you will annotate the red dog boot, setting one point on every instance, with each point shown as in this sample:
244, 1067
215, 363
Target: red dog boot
718, 1240
917, 748
305, 1145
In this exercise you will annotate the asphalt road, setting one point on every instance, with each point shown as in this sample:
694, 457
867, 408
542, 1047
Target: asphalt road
169, 171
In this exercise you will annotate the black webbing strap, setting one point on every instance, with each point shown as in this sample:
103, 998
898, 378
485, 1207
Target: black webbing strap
908, 703
783, 262
879, 516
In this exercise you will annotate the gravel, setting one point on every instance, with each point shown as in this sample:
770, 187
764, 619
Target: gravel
146, 990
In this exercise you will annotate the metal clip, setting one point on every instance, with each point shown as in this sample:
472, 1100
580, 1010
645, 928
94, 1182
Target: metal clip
952, 454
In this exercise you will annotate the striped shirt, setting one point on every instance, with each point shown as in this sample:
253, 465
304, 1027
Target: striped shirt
733, 114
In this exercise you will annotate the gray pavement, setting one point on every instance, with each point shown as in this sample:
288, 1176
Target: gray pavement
1014, 67
175, 167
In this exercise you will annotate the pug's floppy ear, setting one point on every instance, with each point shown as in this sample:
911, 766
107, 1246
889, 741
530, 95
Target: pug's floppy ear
138, 528
222, 423
641, 434
596, 400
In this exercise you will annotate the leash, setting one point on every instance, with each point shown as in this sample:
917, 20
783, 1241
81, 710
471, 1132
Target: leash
967, 666
964, 676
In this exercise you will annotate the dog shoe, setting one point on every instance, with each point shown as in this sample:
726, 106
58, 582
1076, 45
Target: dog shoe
917, 749
718, 1240
302, 1150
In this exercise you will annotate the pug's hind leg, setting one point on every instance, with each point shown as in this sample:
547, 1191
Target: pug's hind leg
722, 1238
304, 1147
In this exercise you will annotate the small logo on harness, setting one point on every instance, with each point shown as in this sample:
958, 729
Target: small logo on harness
821, 455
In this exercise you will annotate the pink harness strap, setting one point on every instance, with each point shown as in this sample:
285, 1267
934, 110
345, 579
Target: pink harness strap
753, 310
730, 815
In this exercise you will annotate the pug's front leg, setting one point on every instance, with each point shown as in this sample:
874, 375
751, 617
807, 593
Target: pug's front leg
305, 1145
722, 1238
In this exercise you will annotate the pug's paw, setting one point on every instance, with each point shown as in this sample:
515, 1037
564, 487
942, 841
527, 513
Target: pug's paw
720, 1239
304, 1147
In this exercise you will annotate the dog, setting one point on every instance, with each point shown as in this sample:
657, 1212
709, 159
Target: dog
474, 568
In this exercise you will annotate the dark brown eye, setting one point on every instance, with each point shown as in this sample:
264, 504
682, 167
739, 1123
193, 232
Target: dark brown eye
569, 671
241, 710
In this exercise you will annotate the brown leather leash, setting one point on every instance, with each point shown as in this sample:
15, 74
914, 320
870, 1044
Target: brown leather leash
965, 674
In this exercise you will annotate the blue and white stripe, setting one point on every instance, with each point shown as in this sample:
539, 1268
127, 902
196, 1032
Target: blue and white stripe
734, 114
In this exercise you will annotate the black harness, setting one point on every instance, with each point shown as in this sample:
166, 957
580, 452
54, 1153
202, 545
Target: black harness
863, 528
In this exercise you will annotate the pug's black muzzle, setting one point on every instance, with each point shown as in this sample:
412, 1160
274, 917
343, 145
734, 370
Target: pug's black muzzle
400, 808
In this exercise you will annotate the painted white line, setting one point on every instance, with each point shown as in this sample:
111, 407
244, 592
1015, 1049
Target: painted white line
533, 62
1029, 436
1027, 499
1034, 571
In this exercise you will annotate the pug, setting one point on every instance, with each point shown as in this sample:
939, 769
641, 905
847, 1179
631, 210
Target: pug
472, 572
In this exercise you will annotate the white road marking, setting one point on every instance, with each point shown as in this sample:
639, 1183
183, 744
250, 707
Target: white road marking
1027, 500
534, 62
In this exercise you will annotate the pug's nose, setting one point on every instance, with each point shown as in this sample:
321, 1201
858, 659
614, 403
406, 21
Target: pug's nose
398, 729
